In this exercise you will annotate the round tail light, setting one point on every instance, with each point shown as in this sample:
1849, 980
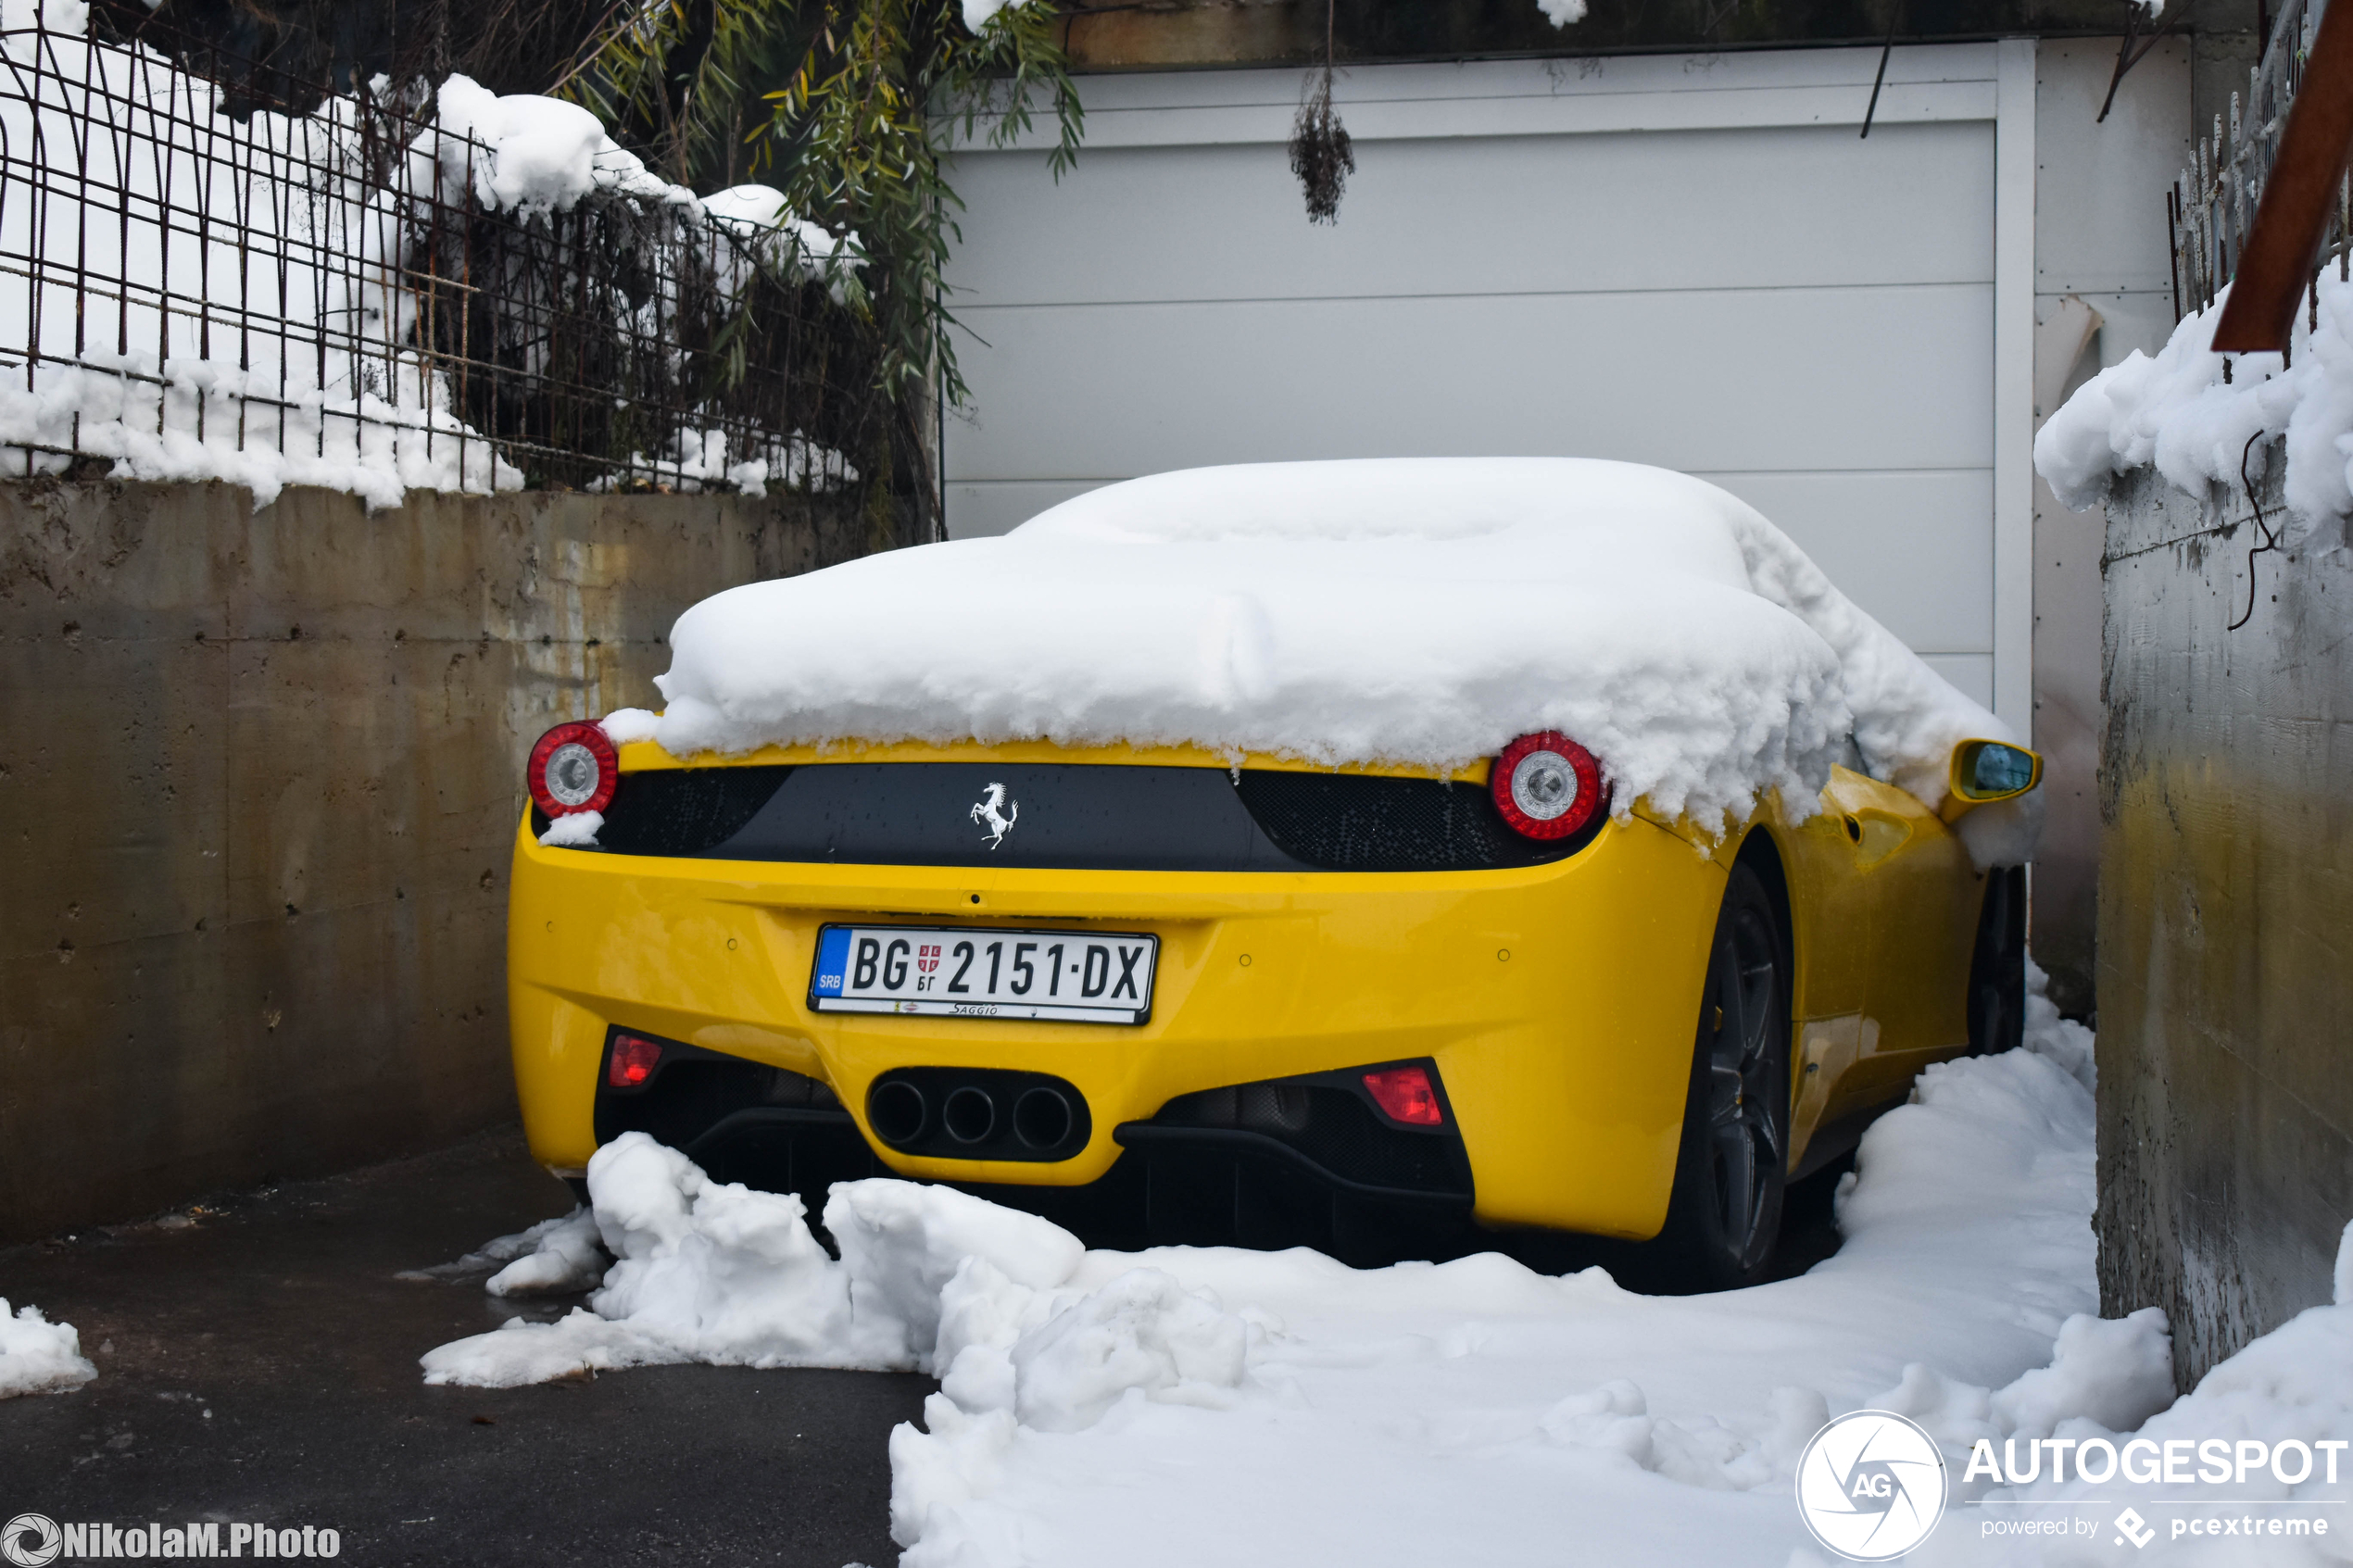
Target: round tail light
1546, 785
574, 767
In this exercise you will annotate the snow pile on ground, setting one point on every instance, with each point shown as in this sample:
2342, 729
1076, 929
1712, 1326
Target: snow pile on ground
2061, 1041
928, 1278
1404, 610
38, 1356
1163, 1406
2271, 1426
554, 1256
2177, 412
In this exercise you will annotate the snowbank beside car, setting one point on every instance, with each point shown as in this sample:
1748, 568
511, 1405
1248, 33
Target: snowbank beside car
1161, 1406
1422, 612
2289, 1393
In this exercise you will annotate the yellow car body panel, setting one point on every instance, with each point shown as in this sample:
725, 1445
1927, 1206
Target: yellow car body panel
1558, 1000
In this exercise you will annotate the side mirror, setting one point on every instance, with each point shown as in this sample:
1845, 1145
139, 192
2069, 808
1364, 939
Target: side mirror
1987, 770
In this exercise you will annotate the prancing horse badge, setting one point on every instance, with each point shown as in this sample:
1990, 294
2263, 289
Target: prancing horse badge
997, 814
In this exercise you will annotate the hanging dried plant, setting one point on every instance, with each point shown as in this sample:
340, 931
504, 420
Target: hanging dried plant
1321, 154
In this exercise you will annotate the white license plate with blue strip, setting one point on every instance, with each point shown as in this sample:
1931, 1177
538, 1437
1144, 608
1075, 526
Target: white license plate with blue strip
1074, 976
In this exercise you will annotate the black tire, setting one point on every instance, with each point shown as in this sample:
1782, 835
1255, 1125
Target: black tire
1997, 970
1725, 1216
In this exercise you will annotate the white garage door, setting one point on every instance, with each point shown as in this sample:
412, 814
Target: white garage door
1695, 262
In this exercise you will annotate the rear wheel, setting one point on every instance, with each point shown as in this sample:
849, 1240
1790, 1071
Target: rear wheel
1997, 970
1725, 1215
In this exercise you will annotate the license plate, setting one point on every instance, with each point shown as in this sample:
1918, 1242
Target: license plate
1083, 977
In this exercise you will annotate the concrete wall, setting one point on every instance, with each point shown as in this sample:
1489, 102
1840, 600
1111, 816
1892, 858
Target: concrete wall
2226, 912
260, 773
2102, 290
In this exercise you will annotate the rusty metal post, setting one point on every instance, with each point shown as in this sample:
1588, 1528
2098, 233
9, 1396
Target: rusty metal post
2278, 253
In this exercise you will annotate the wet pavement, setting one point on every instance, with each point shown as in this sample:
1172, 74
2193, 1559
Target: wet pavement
257, 1364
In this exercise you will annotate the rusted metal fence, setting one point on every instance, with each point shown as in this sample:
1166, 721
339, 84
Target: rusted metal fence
361, 295
2211, 206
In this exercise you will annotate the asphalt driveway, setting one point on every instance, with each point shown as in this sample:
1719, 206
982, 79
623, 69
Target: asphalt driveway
257, 1364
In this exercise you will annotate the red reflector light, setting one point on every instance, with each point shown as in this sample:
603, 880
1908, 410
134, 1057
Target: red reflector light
633, 1062
574, 767
1404, 1093
1546, 785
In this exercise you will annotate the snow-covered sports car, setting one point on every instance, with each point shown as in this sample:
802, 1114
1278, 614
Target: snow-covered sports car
1259, 854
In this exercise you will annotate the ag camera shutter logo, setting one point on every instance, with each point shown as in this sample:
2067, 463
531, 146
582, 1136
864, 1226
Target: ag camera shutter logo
30, 1540
1872, 1486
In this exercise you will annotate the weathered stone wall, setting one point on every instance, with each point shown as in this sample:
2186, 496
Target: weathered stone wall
260, 773
2226, 913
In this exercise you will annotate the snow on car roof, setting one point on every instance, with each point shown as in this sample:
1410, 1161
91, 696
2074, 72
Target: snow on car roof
1401, 611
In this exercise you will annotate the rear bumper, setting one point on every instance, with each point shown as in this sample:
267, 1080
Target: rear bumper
1270, 1165
1555, 1001
1201, 1191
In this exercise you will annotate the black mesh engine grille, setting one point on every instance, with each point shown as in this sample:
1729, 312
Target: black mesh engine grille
1331, 1124
1359, 822
680, 811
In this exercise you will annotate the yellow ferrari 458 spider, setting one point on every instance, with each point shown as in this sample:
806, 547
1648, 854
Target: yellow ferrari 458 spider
1197, 986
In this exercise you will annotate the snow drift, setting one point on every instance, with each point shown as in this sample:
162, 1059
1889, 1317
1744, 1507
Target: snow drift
2290, 1389
1419, 611
38, 1356
929, 1279
1186, 1405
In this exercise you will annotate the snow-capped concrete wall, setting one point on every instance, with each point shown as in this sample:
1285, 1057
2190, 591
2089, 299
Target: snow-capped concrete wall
2226, 895
260, 773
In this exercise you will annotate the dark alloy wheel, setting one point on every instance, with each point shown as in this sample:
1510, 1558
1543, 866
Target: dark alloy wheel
1725, 1215
1997, 970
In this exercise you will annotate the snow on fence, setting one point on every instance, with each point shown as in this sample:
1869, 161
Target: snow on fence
391, 288
2210, 207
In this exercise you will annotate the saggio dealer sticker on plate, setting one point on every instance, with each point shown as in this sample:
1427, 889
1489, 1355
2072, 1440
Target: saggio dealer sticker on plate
1080, 977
